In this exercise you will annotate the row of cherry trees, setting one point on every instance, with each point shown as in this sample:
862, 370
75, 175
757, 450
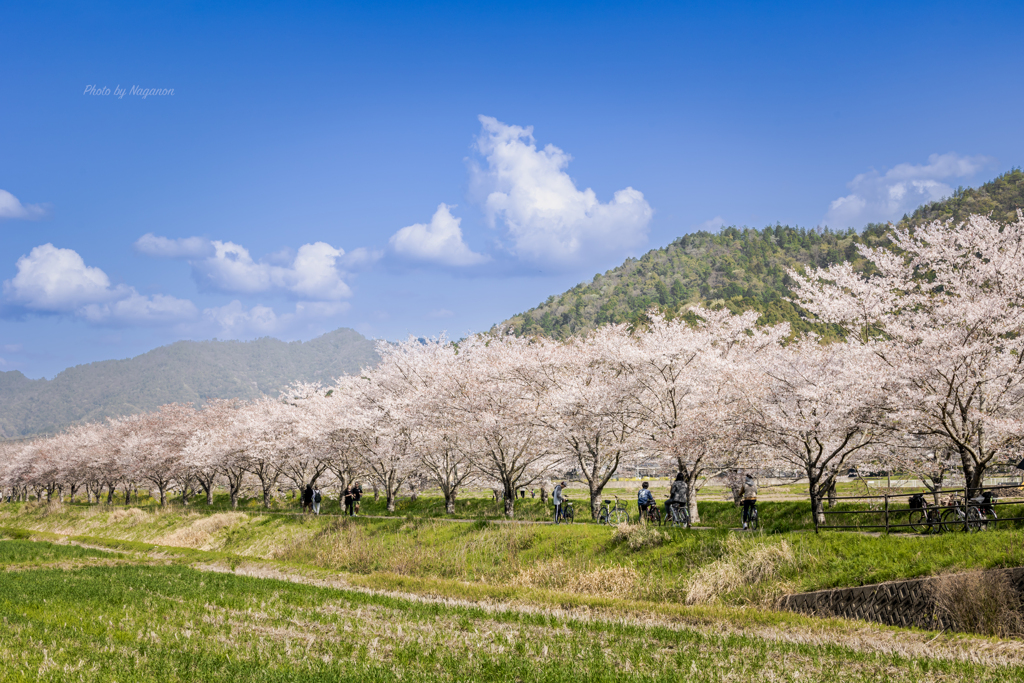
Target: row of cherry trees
929, 376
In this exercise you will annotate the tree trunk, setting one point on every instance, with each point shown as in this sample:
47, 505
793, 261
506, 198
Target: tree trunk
390, 500
266, 497
832, 495
163, 495
817, 509
544, 492
234, 499
595, 504
449, 502
510, 500
376, 492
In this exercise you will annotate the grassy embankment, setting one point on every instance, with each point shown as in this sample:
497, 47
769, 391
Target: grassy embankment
677, 565
141, 619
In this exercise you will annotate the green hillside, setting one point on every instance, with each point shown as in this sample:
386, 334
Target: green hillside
739, 268
185, 371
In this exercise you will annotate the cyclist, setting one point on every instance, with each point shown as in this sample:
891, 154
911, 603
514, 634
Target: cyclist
679, 494
644, 499
558, 497
748, 496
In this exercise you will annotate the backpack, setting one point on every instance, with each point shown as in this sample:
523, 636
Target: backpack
917, 501
316, 496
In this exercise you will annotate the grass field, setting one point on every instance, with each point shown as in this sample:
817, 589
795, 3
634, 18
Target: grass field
144, 593
164, 620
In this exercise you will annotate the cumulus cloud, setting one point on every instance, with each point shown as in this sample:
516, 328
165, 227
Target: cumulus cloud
57, 280
547, 218
313, 273
878, 197
10, 207
183, 247
53, 280
440, 241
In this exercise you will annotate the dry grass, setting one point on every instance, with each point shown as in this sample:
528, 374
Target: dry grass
131, 516
744, 564
200, 533
639, 536
983, 602
559, 575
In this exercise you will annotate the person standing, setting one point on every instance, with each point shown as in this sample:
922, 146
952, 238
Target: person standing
558, 497
307, 498
317, 497
748, 496
644, 499
357, 495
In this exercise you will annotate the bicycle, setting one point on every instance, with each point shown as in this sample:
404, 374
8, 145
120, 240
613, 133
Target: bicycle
651, 515
567, 514
924, 518
678, 515
959, 516
752, 520
612, 514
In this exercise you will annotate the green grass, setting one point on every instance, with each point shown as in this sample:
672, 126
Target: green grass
174, 623
662, 565
19, 552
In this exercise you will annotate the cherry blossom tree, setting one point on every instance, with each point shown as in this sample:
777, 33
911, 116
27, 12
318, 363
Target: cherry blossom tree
818, 408
693, 380
949, 299
588, 404
498, 401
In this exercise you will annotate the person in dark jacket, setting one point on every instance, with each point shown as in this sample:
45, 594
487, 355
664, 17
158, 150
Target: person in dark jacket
307, 498
679, 494
352, 496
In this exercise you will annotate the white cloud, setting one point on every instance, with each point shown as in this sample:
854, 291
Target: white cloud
876, 197
53, 280
137, 308
548, 219
235, 320
10, 207
439, 242
183, 247
57, 280
313, 273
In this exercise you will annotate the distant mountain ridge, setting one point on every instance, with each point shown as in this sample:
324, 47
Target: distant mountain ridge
741, 269
186, 371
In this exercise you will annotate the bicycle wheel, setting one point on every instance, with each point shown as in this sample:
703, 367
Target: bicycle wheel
618, 516
602, 516
993, 520
570, 515
752, 522
952, 520
975, 521
919, 521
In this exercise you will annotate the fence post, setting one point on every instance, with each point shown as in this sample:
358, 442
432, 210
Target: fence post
886, 513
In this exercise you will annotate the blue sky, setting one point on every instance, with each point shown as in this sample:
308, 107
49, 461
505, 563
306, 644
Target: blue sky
410, 169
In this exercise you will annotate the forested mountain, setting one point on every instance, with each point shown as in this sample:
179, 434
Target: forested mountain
185, 371
740, 268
